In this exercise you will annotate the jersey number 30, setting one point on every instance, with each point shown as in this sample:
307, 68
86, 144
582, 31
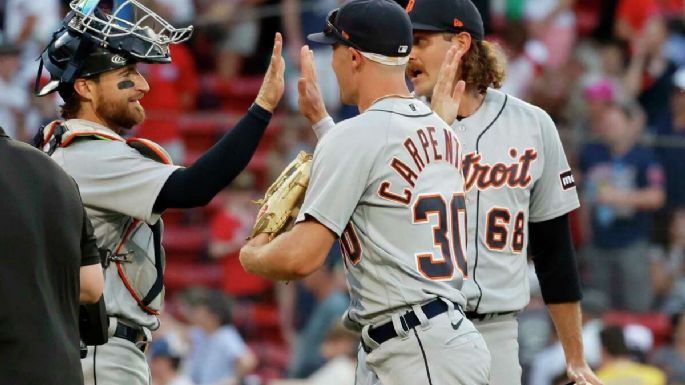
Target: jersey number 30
448, 236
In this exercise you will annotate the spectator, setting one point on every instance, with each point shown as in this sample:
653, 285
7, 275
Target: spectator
178, 12
164, 365
50, 263
218, 353
617, 366
650, 72
526, 58
599, 95
300, 18
14, 99
229, 228
668, 266
553, 23
623, 185
30, 24
633, 15
670, 126
339, 349
327, 286
671, 358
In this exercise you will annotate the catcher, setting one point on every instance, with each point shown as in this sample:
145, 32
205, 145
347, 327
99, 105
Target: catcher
401, 224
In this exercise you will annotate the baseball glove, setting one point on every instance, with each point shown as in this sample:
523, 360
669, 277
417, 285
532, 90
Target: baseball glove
282, 201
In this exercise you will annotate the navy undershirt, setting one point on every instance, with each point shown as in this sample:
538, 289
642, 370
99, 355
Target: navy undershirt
196, 185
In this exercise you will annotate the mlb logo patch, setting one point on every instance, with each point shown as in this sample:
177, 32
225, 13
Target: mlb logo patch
403, 49
567, 181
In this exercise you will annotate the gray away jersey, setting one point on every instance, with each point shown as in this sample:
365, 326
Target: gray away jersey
388, 183
117, 185
515, 172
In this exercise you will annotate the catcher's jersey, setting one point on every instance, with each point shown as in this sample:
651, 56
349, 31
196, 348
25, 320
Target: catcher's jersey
515, 172
117, 185
388, 182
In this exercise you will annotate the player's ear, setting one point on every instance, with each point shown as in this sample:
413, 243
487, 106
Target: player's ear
84, 88
463, 40
356, 58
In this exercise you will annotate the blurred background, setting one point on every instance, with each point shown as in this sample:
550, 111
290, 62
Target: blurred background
611, 73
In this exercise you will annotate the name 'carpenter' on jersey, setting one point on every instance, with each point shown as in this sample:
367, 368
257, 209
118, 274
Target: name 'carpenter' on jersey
449, 152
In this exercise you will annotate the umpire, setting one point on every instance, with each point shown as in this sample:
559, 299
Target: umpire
48, 262
126, 184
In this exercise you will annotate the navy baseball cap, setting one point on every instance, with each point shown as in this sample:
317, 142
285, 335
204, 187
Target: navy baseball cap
380, 29
446, 16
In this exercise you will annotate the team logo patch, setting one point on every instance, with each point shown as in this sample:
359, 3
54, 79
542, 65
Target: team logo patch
567, 181
116, 59
403, 49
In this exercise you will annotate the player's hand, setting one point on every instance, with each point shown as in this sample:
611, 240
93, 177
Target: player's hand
582, 374
447, 95
310, 100
248, 253
273, 84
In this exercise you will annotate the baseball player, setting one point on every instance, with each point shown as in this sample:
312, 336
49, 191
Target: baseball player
395, 204
126, 184
519, 186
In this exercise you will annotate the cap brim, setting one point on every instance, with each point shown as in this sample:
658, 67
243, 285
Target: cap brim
426, 27
322, 38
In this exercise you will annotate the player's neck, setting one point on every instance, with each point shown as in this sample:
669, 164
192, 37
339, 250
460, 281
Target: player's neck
380, 87
90, 115
470, 103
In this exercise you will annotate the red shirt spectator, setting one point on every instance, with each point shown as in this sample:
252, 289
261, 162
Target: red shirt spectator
631, 15
228, 230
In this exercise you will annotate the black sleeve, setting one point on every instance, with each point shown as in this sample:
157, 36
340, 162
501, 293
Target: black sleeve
555, 260
196, 185
90, 255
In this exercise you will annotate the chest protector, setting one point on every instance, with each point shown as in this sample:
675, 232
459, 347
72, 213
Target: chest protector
142, 277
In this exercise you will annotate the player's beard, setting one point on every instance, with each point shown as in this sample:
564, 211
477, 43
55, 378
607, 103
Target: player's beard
120, 113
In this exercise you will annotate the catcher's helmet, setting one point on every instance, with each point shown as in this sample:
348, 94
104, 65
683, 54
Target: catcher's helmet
92, 40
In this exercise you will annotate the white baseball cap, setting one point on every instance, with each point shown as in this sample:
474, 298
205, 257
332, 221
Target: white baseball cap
679, 78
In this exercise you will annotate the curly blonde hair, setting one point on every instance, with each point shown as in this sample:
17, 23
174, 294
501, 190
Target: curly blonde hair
483, 66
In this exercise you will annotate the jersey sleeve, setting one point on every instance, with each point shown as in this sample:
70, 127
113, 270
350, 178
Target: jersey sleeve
554, 194
118, 178
90, 255
340, 172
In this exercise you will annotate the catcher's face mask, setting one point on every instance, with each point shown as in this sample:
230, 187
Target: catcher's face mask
98, 36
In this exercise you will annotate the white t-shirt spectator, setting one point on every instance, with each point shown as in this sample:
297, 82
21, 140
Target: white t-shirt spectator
46, 12
213, 357
14, 100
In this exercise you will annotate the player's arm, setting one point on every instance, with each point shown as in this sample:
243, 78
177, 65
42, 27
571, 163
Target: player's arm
196, 185
555, 265
92, 281
292, 255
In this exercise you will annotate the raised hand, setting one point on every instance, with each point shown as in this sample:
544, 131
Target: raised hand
310, 100
273, 84
446, 95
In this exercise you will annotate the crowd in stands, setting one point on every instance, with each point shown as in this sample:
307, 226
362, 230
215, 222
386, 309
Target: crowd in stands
611, 74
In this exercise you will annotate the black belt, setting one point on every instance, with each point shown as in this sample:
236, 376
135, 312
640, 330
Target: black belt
472, 315
134, 335
409, 320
